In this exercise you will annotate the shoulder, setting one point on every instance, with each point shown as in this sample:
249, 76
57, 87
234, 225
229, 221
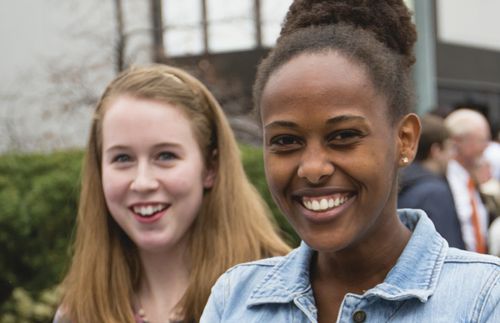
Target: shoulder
425, 193
257, 282
249, 274
467, 258
234, 288
434, 183
462, 263
474, 279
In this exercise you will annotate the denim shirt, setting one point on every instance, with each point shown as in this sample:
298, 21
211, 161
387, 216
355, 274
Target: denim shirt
430, 282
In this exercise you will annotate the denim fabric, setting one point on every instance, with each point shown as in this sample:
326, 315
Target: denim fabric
429, 283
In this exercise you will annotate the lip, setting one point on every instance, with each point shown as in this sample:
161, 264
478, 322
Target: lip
327, 215
151, 219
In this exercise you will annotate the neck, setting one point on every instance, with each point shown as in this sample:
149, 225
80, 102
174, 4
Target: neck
366, 264
466, 164
432, 166
164, 282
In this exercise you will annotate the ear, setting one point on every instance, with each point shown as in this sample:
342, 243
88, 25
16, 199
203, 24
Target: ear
211, 171
408, 136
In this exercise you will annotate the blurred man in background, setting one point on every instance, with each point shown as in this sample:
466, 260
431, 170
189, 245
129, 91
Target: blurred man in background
470, 135
424, 186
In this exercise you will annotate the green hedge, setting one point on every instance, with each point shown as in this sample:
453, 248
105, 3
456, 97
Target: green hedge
38, 199
254, 166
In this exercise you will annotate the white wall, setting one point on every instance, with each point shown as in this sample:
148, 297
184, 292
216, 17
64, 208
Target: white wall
469, 22
56, 56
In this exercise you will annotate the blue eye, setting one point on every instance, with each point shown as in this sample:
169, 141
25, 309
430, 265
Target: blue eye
166, 155
121, 158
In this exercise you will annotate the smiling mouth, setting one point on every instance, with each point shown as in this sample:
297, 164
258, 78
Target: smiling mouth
325, 203
147, 211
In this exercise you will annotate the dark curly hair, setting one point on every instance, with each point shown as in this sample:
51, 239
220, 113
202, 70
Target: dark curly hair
376, 33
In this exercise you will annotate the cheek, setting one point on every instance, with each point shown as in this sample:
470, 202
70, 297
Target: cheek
185, 181
113, 184
374, 167
279, 174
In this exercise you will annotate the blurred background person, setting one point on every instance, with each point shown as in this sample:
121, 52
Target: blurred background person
423, 184
494, 234
470, 135
492, 152
489, 186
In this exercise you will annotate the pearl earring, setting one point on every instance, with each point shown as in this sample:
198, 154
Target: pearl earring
405, 160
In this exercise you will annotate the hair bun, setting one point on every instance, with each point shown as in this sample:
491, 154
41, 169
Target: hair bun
389, 20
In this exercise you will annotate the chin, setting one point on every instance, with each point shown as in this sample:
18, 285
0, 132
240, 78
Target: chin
153, 245
324, 245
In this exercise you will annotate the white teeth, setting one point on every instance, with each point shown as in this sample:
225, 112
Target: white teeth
323, 204
148, 210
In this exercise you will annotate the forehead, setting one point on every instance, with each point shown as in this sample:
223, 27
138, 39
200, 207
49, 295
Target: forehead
128, 117
322, 80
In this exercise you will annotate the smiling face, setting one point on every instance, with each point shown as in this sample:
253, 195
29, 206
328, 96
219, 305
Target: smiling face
331, 152
153, 172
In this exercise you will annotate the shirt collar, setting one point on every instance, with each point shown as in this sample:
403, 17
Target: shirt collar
418, 268
415, 274
287, 279
456, 172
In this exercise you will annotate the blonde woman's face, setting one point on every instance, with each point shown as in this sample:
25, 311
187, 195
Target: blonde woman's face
153, 172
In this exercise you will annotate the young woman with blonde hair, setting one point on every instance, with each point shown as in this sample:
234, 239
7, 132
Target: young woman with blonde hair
165, 204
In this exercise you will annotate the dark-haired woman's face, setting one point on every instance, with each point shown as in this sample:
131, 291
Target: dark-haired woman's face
331, 153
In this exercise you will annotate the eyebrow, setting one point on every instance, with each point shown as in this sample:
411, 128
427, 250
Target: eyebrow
157, 146
331, 121
344, 118
282, 123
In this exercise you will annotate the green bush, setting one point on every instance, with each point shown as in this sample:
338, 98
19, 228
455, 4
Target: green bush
253, 163
38, 195
23, 308
38, 198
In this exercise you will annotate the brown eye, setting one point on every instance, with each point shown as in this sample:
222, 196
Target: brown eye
344, 137
283, 143
345, 134
283, 140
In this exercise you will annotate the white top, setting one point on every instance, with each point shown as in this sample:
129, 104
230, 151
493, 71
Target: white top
494, 243
458, 178
492, 155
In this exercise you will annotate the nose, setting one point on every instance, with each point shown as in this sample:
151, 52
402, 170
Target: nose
144, 179
315, 166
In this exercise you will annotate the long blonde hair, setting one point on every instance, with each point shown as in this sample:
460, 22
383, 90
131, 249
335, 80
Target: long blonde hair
234, 224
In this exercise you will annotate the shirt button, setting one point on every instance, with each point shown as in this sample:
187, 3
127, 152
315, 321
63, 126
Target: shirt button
359, 316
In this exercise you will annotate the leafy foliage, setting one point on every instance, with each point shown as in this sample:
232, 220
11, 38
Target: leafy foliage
38, 195
252, 158
39, 198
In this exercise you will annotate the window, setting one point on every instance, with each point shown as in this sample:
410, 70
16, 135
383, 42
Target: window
231, 25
